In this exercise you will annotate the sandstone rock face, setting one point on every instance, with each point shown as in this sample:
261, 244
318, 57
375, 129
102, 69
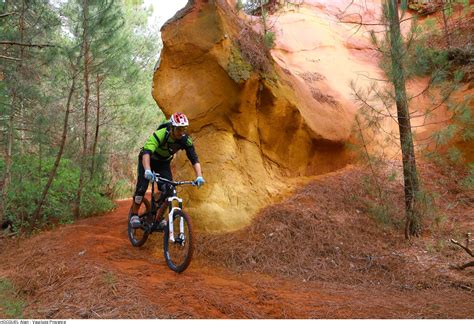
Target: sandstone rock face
261, 130
257, 136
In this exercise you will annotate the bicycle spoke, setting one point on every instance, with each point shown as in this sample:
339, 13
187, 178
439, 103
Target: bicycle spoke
179, 247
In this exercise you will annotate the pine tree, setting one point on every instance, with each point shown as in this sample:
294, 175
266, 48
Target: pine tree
25, 48
410, 175
405, 58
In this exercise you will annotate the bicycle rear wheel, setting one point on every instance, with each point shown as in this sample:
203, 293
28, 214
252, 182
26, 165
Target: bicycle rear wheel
138, 236
179, 248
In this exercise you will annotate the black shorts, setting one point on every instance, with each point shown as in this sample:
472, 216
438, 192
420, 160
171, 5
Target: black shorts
161, 167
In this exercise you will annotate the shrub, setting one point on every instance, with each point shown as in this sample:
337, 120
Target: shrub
239, 5
29, 176
269, 39
10, 305
238, 68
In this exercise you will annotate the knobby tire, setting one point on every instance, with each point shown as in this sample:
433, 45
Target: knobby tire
173, 250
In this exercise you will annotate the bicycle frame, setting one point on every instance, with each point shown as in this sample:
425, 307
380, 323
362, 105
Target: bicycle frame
169, 200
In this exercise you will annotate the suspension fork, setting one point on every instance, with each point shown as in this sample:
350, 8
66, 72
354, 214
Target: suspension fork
170, 217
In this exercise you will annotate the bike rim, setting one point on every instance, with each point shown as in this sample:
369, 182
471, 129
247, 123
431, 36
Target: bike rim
179, 252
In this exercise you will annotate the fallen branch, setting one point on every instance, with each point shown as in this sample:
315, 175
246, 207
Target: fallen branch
9, 58
467, 249
463, 266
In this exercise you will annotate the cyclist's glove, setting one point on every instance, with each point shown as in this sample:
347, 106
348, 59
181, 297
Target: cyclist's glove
199, 181
149, 175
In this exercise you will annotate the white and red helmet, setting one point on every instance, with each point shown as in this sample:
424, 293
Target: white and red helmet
179, 120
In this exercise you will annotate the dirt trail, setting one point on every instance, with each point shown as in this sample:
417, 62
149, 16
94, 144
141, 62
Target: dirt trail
90, 270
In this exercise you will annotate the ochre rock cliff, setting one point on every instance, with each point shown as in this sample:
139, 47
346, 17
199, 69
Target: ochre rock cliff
256, 135
259, 134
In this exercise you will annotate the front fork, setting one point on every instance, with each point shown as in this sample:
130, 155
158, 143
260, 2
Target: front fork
170, 219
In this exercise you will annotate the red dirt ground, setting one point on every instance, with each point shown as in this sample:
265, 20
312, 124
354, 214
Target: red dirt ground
90, 270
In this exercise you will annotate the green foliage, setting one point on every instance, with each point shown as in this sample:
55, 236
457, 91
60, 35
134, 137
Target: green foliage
404, 5
123, 53
239, 5
468, 181
94, 200
269, 39
460, 130
420, 58
414, 54
238, 68
426, 206
380, 213
110, 278
437, 246
445, 135
423, 60
10, 304
379, 207
29, 175
454, 155
121, 189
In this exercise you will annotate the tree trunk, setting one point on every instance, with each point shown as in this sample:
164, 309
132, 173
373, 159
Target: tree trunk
77, 209
410, 176
52, 174
447, 37
8, 159
11, 121
264, 18
97, 125
22, 73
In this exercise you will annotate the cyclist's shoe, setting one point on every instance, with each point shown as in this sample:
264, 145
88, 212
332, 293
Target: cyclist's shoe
135, 221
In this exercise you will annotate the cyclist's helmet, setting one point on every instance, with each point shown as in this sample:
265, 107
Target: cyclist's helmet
179, 120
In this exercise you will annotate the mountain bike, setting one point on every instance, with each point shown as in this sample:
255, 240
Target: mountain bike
176, 224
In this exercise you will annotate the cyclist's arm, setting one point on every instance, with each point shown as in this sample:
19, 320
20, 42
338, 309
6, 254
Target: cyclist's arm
190, 151
192, 156
146, 161
197, 169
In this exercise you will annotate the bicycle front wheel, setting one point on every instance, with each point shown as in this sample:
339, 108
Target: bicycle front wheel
178, 243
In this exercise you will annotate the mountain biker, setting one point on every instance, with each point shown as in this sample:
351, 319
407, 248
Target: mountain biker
156, 156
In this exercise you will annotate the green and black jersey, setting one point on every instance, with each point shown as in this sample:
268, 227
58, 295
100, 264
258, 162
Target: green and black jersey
161, 146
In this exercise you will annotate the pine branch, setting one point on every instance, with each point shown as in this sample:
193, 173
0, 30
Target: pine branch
7, 14
25, 44
371, 78
375, 176
365, 102
10, 58
435, 107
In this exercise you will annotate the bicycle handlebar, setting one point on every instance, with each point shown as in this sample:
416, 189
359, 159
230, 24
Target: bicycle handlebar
174, 183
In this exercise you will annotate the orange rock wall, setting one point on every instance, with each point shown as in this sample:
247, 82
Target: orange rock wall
260, 137
254, 138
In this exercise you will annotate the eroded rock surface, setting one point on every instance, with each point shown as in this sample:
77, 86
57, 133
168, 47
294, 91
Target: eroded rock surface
256, 135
